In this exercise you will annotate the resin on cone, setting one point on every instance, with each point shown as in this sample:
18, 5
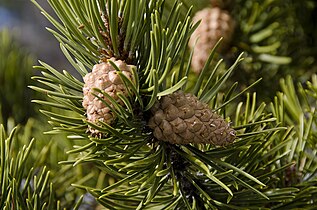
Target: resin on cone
181, 118
104, 77
215, 23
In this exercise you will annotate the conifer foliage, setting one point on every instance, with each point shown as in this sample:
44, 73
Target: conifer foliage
133, 61
25, 182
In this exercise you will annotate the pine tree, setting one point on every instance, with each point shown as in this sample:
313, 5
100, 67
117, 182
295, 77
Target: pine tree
126, 109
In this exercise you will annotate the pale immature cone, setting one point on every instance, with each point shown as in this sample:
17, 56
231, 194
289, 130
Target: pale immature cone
215, 23
104, 77
180, 118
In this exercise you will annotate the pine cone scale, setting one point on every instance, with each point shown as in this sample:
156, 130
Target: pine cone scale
182, 119
104, 77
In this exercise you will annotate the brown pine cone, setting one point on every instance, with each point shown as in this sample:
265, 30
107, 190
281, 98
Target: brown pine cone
181, 118
215, 23
105, 78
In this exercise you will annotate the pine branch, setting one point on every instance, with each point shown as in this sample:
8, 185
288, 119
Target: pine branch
150, 172
23, 187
